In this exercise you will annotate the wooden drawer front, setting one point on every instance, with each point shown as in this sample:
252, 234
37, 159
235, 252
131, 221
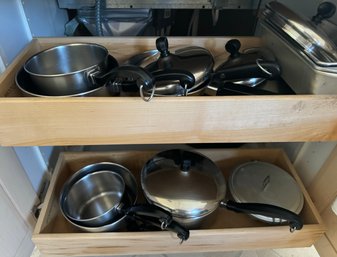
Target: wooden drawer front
54, 236
130, 120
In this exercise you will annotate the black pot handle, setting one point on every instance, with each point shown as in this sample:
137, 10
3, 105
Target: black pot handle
229, 88
259, 69
123, 75
185, 78
268, 210
149, 211
158, 217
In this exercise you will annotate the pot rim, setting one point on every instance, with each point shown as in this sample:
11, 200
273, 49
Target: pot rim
131, 189
89, 68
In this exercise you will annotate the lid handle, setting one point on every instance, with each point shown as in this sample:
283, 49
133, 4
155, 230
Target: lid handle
324, 11
162, 46
233, 47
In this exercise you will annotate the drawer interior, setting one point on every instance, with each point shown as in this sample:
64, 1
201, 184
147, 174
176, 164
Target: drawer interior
229, 231
53, 221
120, 48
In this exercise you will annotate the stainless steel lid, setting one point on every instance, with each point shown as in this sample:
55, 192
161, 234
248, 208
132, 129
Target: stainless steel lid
186, 183
302, 33
193, 59
262, 182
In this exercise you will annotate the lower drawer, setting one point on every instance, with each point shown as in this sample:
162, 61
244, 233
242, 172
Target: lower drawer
230, 231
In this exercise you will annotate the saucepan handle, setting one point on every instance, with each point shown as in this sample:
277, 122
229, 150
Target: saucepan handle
185, 78
259, 69
158, 217
268, 210
126, 74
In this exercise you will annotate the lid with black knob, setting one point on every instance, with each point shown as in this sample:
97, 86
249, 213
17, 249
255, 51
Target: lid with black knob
303, 33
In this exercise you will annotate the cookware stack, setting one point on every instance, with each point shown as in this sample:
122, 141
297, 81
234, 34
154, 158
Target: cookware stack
102, 197
83, 69
183, 190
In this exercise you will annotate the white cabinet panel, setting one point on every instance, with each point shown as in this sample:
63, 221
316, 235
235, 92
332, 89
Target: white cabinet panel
14, 234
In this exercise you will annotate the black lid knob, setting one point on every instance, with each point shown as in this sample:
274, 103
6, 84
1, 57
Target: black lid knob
233, 47
162, 46
324, 11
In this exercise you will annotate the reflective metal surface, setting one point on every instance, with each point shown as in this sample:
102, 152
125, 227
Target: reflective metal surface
262, 182
94, 199
67, 69
186, 183
163, 4
129, 198
196, 60
308, 37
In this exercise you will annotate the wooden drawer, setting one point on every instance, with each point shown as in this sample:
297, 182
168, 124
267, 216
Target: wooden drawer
54, 236
130, 120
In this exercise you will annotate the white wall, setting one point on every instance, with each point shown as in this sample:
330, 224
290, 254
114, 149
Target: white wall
14, 30
17, 198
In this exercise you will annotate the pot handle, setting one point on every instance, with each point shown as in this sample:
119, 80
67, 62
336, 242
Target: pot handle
185, 78
259, 69
229, 88
127, 73
151, 211
268, 210
158, 217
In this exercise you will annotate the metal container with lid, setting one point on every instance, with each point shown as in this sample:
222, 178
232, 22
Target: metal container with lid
195, 60
192, 187
307, 55
303, 33
263, 182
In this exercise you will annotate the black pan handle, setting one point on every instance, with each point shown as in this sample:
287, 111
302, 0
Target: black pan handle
158, 217
268, 210
149, 211
182, 233
229, 88
126, 74
185, 78
259, 69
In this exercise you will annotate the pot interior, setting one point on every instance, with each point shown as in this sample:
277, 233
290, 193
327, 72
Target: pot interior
65, 59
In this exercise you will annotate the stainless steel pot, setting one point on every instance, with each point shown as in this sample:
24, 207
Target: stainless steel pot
192, 187
68, 69
305, 52
92, 200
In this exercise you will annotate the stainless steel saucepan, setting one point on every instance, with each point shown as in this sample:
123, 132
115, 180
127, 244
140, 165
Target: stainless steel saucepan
101, 197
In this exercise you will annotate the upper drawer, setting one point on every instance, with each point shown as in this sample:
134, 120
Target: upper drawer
130, 120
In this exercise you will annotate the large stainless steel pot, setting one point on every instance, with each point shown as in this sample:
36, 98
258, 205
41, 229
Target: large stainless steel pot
307, 56
192, 187
68, 69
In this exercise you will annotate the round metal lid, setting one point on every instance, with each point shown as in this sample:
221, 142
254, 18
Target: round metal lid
301, 32
262, 182
185, 183
196, 60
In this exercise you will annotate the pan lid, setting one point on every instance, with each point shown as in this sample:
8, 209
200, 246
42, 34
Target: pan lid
194, 60
301, 32
262, 182
186, 183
